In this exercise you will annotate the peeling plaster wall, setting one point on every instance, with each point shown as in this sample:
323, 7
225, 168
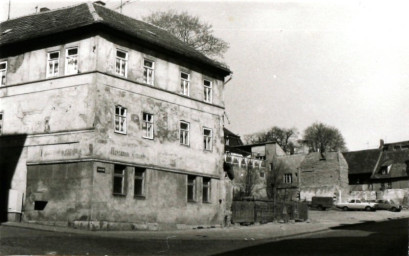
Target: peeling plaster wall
168, 110
69, 122
165, 203
32, 65
167, 69
67, 189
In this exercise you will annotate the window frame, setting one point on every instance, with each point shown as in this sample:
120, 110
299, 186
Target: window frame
121, 59
288, 178
206, 190
191, 186
141, 178
122, 176
184, 131
120, 117
185, 84
207, 137
208, 91
3, 73
67, 59
53, 61
145, 72
145, 126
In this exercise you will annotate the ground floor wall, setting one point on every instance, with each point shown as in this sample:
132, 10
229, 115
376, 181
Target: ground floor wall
340, 194
398, 195
101, 195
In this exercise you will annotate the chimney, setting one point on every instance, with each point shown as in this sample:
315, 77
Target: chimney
44, 9
381, 143
100, 3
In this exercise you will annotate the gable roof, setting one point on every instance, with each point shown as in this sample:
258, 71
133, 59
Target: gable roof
65, 19
361, 162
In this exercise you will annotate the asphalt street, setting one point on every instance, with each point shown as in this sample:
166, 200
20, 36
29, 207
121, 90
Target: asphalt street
371, 238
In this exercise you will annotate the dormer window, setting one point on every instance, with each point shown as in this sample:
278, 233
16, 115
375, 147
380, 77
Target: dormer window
53, 59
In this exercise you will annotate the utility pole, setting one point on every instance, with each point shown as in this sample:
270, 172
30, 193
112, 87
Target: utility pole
8, 16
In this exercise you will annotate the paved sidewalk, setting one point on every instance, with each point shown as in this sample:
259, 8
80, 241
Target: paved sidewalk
319, 221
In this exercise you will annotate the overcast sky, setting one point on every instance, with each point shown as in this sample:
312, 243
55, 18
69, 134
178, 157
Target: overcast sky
343, 63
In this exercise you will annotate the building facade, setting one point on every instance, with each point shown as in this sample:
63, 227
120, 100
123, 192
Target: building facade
120, 124
381, 173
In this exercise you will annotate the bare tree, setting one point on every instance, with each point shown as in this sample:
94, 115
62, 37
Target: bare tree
283, 136
191, 30
246, 182
321, 137
275, 179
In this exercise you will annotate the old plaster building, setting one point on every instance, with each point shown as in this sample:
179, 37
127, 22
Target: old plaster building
108, 122
381, 173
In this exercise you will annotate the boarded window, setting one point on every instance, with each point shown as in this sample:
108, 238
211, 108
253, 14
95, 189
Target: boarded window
206, 190
119, 179
191, 188
139, 185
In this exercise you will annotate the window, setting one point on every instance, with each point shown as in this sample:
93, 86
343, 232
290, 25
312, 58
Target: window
288, 178
149, 71
206, 189
262, 174
3, 72
121, 63
191, 188
1, 123
385, 169
52, 64
207, 91
147, 126
207, 139
71, 61
119, 179
184, 84
120, 119
184, 133
139, 185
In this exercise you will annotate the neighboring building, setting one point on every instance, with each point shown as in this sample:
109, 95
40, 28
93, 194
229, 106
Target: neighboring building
380, 173
108, 123
289, 185
324, 174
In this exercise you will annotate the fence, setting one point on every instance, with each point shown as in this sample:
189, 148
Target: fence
267, 211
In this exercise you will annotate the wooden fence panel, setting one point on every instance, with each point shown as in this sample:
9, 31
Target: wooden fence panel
267, 211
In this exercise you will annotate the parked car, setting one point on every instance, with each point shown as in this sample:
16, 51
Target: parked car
389, 205
356, 204
321, 202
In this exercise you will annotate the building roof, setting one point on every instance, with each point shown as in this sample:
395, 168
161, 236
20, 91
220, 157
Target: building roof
234, 139
47, 23
397, 161
361, 162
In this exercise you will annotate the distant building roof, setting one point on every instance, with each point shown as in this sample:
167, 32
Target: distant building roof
48, 23
395, 162
360, 162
